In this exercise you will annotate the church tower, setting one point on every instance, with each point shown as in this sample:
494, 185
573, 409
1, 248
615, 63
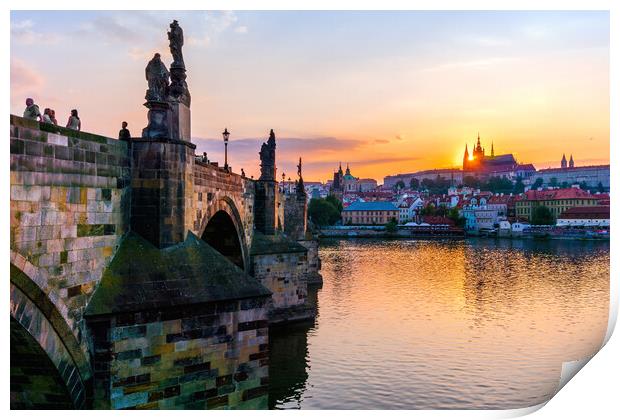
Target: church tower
571, 162
466, 158
563, 162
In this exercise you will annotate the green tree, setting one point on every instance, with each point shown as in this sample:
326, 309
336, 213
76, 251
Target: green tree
519, 187
600, 187
537, 184
564, 184
472, 182
584, 185
541, 215
498, 184
553, 182
391, 226
335, 202
429, 210
453, 214
414, 183
322, 212
400, 185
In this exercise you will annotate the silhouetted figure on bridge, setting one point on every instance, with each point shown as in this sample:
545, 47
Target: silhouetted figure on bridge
124, 133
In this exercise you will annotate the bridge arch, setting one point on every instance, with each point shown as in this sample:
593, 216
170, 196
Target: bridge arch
223, 230
43, 348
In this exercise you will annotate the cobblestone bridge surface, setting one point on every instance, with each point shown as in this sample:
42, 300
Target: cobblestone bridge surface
138, 279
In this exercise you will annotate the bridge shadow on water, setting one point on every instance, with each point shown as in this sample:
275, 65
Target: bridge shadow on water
289, 359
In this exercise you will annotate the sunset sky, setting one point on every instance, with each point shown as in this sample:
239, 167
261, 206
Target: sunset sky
388, 92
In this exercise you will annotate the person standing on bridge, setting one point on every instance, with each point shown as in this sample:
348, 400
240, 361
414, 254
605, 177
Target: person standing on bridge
74, 122
46, 116
53, 117
124, 134
32, 111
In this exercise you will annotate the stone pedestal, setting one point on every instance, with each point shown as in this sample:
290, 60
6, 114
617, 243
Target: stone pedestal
162, 189
265, 209
158, 120
180, 121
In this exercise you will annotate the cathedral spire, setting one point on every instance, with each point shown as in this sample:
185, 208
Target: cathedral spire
492, 150
571, 162
563, 162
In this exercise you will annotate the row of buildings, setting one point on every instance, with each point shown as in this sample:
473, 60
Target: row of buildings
482, 210
482, 166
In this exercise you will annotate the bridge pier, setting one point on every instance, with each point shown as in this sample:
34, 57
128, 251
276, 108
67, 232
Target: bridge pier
162, 189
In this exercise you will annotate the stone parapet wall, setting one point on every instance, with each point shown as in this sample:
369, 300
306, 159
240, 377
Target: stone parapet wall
195, 357
284, 274
69, 208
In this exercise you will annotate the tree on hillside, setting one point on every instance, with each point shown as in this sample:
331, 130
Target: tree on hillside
519, 187
537, 184
553, 182
472, 182
414, 183
541, 215
400, 185
498, 184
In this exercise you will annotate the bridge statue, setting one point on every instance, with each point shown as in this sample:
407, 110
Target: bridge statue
176, 43
157, 77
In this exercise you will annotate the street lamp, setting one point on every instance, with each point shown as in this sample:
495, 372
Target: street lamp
226, 134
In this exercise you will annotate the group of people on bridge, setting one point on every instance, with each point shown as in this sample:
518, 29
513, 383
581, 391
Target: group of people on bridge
32, 112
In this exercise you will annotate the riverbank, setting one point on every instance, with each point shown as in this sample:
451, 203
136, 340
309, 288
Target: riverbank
379, 232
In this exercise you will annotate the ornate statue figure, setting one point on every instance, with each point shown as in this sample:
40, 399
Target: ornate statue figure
157, 77
176, 43
300, 188
268, 158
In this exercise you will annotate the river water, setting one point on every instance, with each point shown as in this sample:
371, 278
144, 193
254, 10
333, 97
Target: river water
476, 323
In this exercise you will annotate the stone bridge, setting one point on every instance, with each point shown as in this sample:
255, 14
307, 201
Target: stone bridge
138, 279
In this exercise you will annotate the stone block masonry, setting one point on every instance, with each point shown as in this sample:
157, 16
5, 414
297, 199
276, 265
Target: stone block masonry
69, 208
197, 357
281, 265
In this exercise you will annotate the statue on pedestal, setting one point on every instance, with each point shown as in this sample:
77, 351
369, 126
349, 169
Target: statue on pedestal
178, 86
300, 189
268, 158
175, 36
157, 76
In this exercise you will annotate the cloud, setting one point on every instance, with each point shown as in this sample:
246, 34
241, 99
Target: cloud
220, 21
24, 80
23, 32
241, 29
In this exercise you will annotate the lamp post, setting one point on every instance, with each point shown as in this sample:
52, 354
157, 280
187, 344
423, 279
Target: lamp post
226, 134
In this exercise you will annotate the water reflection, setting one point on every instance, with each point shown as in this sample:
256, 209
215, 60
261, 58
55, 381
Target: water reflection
288, 367
443, 324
